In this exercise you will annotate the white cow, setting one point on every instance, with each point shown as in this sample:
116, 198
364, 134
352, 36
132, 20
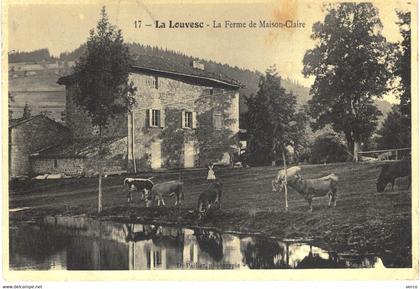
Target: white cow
277, 183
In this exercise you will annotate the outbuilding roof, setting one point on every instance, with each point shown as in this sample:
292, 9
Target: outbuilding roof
19, 121
76, 148
165, 67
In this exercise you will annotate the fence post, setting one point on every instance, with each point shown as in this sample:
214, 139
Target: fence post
285, 180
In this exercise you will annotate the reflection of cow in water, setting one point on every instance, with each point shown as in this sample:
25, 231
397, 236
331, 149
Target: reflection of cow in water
314, 260
169, 237
210, 242
165, 237
148, 232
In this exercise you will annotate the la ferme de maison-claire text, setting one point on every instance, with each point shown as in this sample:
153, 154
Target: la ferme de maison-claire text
229, 24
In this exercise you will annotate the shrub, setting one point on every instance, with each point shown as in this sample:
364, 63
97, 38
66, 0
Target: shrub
328, 148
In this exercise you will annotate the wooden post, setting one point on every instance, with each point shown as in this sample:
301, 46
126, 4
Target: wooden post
100, 172
285, 180
396, 155
132, 142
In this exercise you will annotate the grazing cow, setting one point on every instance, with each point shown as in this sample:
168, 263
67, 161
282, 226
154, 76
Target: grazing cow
211, 196
313, 188
385, 156
392, 171
277, 183
143, 186
161, 190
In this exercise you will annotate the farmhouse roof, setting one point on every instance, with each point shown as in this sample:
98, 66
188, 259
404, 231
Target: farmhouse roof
19, 121
76, 148
164, 67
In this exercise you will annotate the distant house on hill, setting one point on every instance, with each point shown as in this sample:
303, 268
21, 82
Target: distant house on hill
27, 136
177, 108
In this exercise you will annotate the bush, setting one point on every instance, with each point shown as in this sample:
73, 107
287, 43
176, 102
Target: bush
328, 148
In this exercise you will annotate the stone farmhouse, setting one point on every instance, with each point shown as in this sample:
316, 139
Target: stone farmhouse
27, 137
180, 112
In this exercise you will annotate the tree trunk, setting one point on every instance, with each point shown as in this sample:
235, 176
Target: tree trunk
285, 181
356, 151
100, 172
352, 145
273, 146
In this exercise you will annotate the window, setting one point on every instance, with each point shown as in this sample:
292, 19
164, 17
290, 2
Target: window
189, 119
156, 82
218, 120
153, 82
208, 91
155, 118
157, 258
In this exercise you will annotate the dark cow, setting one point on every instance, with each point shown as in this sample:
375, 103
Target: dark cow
392, 171
143, 186
210, 197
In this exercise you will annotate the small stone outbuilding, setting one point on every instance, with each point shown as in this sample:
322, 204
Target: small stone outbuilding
29, 135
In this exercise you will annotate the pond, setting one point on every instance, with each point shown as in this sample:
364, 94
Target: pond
68, 243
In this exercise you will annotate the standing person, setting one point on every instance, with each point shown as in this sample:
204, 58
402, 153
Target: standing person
211, 177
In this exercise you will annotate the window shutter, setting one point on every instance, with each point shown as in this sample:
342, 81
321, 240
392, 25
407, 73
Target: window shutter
194, 119
150, 117
162, 118
182, 119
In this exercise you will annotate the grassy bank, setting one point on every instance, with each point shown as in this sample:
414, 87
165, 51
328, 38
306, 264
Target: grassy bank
363, 221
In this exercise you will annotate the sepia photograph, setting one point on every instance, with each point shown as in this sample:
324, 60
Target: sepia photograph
211, 137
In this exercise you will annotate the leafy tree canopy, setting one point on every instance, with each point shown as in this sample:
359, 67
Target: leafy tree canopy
271, 119
394, 132
350, 66
402, 67
102, 74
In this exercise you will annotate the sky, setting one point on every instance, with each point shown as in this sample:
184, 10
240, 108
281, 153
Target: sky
64, 27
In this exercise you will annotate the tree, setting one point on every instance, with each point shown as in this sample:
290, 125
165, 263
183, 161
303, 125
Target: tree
102, 78
328, 148
350, 66
402, 69
300, 133
271, 119
393, 133
26, 111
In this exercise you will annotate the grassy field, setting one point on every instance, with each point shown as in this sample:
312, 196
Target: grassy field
364, 222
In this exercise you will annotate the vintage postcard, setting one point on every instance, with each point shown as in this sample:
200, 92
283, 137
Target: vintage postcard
201, 140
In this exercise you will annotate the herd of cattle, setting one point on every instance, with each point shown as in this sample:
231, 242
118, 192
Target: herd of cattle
308, 188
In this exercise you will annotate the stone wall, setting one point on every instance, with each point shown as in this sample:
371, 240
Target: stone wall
37, 133
115, 161
68, 166
172, 97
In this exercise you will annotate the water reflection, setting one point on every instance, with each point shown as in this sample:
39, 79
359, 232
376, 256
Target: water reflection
83, 244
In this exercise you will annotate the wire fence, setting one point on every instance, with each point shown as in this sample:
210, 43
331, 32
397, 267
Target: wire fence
385, 154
